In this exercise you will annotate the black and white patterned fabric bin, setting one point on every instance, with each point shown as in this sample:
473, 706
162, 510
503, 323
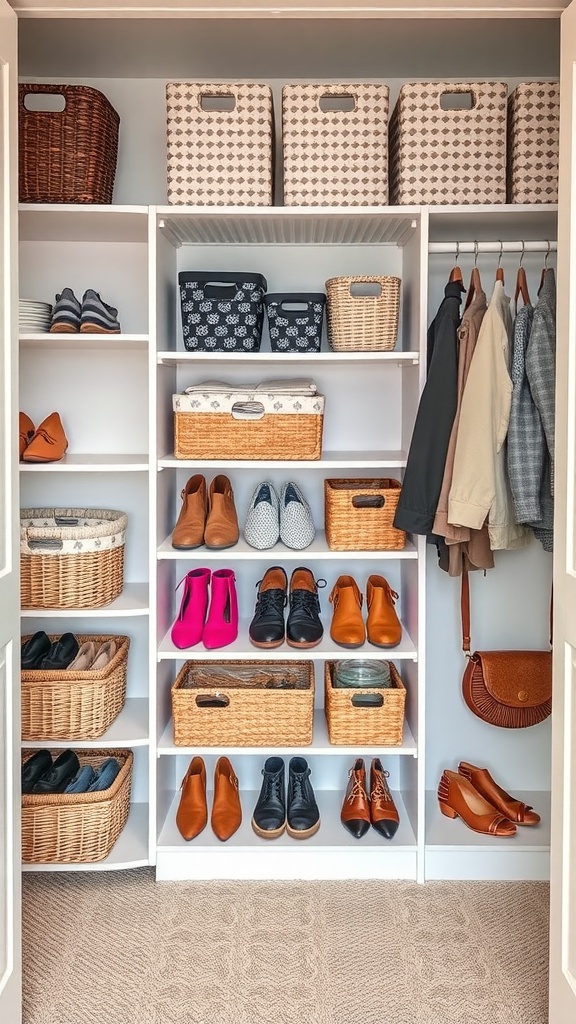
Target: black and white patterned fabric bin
295, 330
222, 312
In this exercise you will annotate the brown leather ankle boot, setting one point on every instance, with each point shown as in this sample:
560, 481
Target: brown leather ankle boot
347, 628
222, 523
355, 813
226, 810
383, 810
192, 813
189, 530
383, 625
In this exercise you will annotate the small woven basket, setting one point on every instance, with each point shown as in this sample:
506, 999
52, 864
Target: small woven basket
212, 708
351, 725
71, 828
61, 705
359, 515
71, 557
362, 323
67, 156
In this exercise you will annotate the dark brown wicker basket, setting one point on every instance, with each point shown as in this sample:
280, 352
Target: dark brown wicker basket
67, 156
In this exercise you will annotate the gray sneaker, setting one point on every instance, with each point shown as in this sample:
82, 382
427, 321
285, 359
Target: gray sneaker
97, 317
66, 313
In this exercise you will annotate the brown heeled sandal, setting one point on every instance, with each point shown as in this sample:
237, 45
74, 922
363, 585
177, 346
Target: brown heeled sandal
514, 810
459, 799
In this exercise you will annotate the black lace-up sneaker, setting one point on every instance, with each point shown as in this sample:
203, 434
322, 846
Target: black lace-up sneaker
267, 626
269, 818
303, 628
97, 316
303, 814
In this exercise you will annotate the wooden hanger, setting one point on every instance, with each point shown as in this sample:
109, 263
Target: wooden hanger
499, 268
522, 283
456, 273
475, 285
544, 268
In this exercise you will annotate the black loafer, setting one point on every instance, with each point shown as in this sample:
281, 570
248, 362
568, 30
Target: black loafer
303, 627
269, 818
302, 813
61, 652
267, 626
33, 769
59, 775
34, 650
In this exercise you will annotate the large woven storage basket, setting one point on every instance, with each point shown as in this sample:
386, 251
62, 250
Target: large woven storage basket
71, 557
448, 156
533, 142
350, 724
67, 156
359, 515
335, 157
221, 157
243, 424
72, 828
362, 323
71, 705
243, 704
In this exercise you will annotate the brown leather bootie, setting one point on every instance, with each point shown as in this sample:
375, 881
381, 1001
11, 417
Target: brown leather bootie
383, 810
26, 432
515, 810
226, 810
221, 529
347, 628
355, 813
49, 443
192, 813
458, 798
189, 530
383, 625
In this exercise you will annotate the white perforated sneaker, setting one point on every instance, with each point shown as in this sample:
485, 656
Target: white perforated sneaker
262, 526
296, 523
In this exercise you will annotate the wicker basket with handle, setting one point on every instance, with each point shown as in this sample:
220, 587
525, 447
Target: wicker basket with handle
67, 156
533, 142
359, 515
360, 322
72, 705
350, 724
71, 828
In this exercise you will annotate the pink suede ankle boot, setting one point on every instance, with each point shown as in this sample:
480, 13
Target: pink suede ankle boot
189, 623
221, 626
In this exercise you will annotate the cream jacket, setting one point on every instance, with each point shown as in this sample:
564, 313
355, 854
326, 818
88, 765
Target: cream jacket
480, 488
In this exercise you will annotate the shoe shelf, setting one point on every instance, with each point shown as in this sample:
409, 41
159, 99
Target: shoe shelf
129, 729
80, 462
74, 342
378, 460
317, 549
70, 222
132, 601
287, 359
130, 850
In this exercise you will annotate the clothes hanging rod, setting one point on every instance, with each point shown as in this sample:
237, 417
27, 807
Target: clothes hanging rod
470, 248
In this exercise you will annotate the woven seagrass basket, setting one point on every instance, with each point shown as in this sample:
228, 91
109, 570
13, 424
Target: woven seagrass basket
71, 557
71, 828
67, 156
362, 323
212, 706
359, 515
71, 705
350, 724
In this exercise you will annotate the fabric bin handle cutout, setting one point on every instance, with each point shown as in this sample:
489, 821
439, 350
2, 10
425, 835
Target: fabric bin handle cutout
220, 102
248, 410
457, 99
337, 103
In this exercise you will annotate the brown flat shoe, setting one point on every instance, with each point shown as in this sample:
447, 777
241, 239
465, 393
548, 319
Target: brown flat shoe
355, 813
192, 813
49, 443
383, 811
382, 625
347, 628
226, 810
221, 530
458, 799
514, 810
189, 530
26, 432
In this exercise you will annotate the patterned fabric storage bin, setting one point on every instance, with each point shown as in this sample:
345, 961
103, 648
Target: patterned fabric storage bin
243, 703
277, 419
295, 330
364, 716
221, 157
363, 323
222, 312
359, 515
533, 142
448, 156
335, 157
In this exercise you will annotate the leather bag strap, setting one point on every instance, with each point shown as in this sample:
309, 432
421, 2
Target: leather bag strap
465, 612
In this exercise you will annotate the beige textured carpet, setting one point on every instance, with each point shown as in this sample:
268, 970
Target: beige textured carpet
122, 949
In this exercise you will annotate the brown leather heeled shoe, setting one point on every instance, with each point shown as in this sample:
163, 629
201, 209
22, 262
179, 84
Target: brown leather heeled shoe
221, 530
189, 530
383, 626
347, 628
459, 799
26, 432
383, 811
514, 810
49, 443
226, 810
192, 813
355, 813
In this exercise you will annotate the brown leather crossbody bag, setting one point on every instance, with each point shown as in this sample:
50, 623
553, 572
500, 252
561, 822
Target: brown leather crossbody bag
509, 689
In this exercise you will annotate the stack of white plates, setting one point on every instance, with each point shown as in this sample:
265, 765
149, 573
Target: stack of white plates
34, 316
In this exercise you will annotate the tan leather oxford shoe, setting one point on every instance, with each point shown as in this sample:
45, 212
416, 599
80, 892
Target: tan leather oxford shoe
49, 443
192, 813
383, 625
347, 628
189, 530
226, 810
221, 529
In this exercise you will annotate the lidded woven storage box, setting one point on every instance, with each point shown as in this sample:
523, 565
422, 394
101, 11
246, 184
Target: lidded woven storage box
335, 157
243, 703
351, 723
223, 157
277, 419
70, 828
71, 557
72, 705
362, 322
359, 515
222, 312
533, 142
444, 155
69, 155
